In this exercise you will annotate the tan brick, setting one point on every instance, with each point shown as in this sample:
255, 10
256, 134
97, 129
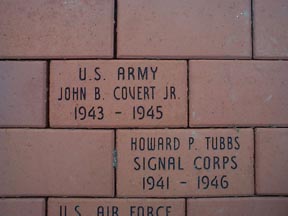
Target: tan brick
201, 162
271, 161
56, 29
184, 28
22, 93
238, 93
115, 207
22, 207
116, 97
270, 29
56, 162
257, 206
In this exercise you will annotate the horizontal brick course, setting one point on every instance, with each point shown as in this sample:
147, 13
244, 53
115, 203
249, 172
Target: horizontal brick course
238, 93
195, 93
184, 29
56, 162
56, 29
118, 93
171, 163
257, 206
271, 161
270, 29
23, 93
114, 207
22, 207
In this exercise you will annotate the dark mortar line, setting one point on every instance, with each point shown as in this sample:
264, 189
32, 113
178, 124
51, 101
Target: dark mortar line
188, 95
115, 167
115, 28
252, 29
48, 95
152, 59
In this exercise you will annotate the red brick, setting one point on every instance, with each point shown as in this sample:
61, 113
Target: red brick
238, 93
114, 207
271, 161
56, 162
186, 176
22, 94
183, 29
270, 29
56, 29
22, 207
257, 206
112, 108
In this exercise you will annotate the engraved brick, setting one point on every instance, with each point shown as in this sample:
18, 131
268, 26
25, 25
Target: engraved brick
238, 93
270, 29
47, 162
114, 207
115, 93
56, 29
22, 207
257, 206
271, 163
22, 94
179, 162
184, 28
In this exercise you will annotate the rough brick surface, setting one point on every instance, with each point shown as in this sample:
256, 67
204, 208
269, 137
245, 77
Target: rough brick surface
22, 94
185, 28
118, 93
114, 207
238, 206
238, 93
270, 29
171, 163
271, 161
195, 93
56, 29
56, 162
22, 207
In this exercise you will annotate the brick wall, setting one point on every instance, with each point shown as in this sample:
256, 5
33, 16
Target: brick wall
143, 108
